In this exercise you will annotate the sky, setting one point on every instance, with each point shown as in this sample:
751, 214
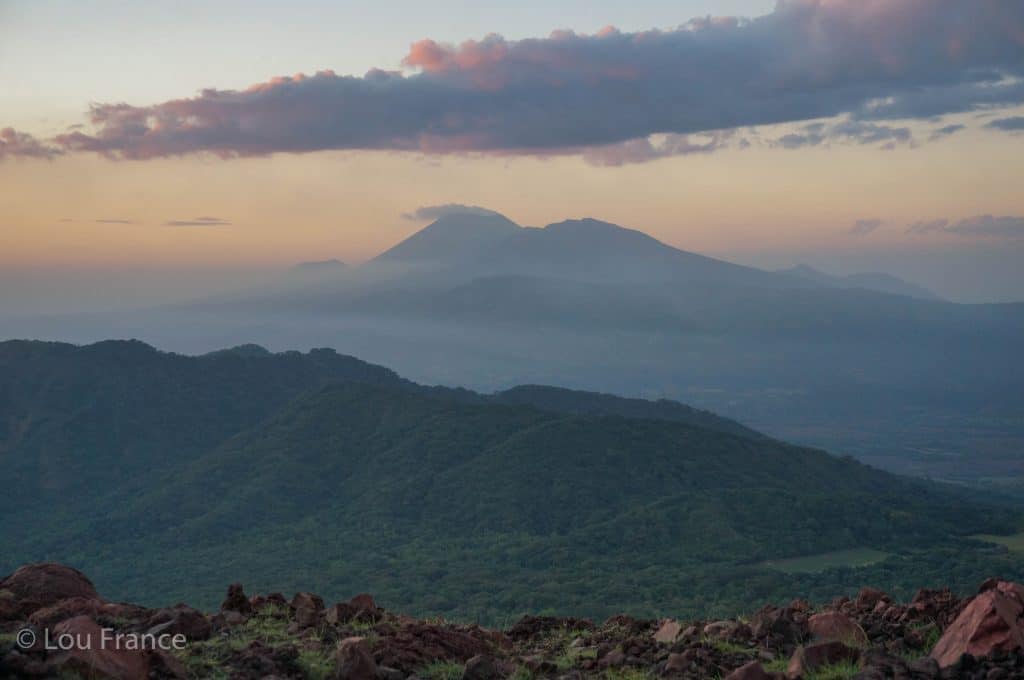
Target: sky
212, 139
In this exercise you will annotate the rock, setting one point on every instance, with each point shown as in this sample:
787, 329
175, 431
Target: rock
415, 645
388, 673
778, 628
90, 656
236, 601
808, 658
676, 663
828, 626
354, 661
307, 608
35, 586
180, 619
258, 602
480, 667
233, 618
260, 661
991, 622
78, 606
720, 629
532, 626
868, 598
751, 671
668, 632
538, 665
615, 657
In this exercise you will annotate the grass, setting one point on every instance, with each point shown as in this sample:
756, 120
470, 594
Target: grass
442, 670
779, 665
812, 564
726, 647
1014, 542
627, 674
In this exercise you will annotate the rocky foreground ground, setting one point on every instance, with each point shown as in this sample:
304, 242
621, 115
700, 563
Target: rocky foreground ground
53, 623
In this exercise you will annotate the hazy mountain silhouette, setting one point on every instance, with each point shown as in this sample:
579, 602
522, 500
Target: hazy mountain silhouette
876, 281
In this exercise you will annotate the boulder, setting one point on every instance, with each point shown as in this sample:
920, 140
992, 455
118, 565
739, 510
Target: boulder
354, 661
751, 671
40, 585
991, 622
90, 657
481, 667
809, 658
307, 608
720, 629
180, 619
236, 601
668, 632
868, 598
829, 626
676, 663
261, 661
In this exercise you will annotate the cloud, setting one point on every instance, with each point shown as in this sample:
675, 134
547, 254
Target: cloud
927, 226
429, 213
945, 131
204, 221
989, 226
870, 60
864, 227
23, 145
1012, 124
646, 149
985, 226
114, 220
847, 131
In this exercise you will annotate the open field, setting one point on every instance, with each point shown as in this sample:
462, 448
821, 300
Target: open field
808, 564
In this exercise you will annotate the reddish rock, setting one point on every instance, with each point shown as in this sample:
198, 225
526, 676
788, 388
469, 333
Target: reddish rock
236, 601
835, 626
258, 602
307, 608
481, 667
415, 645
720, 629
676, 663
668, 632
751, 671
181, 619
353, 660
808, 658
990, 623
868, 598
92, 657
44, 584
260, 661
531, 626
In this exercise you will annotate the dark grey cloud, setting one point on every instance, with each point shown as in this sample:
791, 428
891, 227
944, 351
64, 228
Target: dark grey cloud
23, 145
848, 131
203, 221
864, 227
945, 131
429, 213
1012, 124
643, 149
872, 60
983, 226
114, 220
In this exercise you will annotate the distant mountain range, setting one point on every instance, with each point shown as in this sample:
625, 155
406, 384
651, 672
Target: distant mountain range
163, 475
849, 363
877, 281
